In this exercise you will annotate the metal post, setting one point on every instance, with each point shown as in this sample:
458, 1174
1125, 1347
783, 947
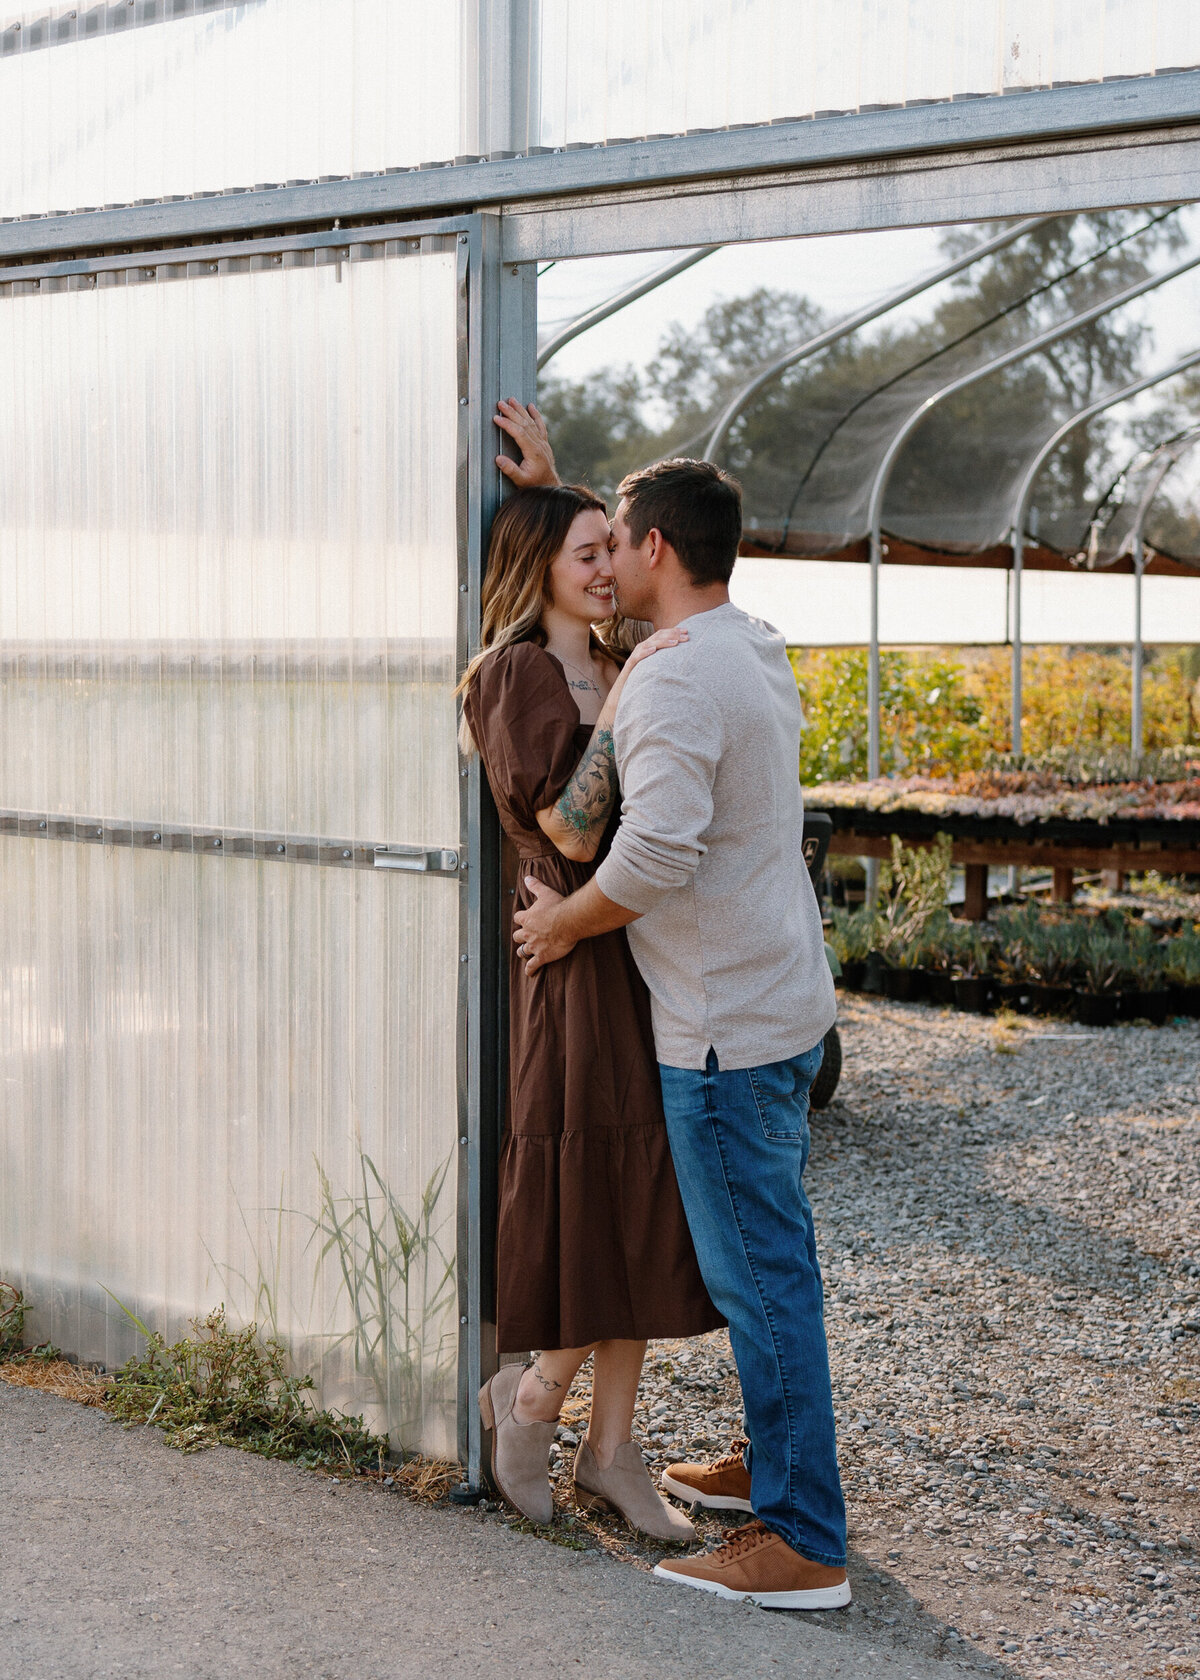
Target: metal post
499, 78
501, 345
1018, 563
874, 694
874, 736
1136, 730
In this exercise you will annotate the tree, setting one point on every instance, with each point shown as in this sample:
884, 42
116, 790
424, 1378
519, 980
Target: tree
597, 426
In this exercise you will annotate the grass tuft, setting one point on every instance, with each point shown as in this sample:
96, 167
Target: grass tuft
56, 1376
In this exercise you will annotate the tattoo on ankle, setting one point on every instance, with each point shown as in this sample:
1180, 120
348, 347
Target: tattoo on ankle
547, 1383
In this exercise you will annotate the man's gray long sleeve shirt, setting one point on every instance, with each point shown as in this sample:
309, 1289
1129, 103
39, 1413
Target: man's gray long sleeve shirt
709, 851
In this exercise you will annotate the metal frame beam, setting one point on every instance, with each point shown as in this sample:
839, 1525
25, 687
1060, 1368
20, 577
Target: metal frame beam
621, 300
1020, 507
499, 79
929, 189
1058, 149
851, 323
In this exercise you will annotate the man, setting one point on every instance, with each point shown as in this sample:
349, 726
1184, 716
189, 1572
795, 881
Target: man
707, 873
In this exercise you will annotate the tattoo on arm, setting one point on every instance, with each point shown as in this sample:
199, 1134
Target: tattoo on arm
587, 801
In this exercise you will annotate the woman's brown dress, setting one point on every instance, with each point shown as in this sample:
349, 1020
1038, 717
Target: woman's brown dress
592, 1240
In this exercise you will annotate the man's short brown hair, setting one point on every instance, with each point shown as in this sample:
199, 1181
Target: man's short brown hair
698, 509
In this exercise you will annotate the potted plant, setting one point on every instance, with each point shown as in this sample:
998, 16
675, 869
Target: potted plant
1181, 969
852, 935
972, 981
937, 959
913, 890
1144, 992
925, 957
1052, 958
1098, 969
1016, 931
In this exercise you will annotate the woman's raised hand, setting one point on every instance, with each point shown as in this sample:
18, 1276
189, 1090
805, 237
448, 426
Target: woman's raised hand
671, 637
528, 430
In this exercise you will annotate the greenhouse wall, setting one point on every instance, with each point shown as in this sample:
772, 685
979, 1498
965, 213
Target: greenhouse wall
228, 608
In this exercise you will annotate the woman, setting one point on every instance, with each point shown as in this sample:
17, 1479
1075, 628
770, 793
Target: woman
593, 1251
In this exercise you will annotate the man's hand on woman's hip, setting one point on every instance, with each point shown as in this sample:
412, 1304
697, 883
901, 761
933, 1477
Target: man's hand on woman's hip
537, 938
553, 925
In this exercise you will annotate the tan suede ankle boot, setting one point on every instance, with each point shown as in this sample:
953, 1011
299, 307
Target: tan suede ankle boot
625, 1487
519, 1452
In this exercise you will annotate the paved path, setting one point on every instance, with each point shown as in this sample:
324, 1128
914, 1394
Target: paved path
120, 1556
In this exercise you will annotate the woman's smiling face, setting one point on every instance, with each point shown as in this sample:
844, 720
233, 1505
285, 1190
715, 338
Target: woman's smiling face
580, 574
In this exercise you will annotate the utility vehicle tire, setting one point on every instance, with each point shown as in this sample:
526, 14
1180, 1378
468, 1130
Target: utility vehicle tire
826, 1083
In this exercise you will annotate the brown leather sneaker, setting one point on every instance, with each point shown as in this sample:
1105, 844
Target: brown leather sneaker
756, 1564
723, 1485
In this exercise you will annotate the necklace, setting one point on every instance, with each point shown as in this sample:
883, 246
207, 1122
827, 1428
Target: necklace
589, 682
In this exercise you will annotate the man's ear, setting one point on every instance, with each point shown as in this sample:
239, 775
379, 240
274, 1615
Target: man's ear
656, 546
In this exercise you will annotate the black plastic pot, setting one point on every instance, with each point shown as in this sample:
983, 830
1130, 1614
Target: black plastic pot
875, 974
1185, 1000
973, 995
852, 974
939, 986
904, 985
1052, 1000
1095, 1009
1016, 995
1146, 1006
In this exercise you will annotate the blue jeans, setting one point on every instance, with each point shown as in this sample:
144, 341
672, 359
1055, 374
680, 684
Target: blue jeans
740, 1144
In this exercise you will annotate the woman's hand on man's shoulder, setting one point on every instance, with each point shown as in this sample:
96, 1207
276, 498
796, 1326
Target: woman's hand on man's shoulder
671, 637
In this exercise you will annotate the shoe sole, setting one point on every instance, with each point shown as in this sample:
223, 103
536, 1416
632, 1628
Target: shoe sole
814, 1598
711, 1501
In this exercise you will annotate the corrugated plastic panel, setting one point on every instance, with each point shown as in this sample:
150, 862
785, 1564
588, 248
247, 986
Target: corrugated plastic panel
228, 598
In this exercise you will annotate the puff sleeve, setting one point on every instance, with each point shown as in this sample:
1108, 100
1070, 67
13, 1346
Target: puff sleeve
524, 722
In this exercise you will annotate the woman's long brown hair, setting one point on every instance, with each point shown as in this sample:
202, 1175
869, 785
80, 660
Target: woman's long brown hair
528, 534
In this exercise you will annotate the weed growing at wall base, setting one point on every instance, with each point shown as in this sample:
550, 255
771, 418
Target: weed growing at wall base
223, 1387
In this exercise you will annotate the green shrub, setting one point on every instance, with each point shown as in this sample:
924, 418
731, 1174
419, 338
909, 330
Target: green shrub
223, 1387
1141, 960
930, 720
949, 712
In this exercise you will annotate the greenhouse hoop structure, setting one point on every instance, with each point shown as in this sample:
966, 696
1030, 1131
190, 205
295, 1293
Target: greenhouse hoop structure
257, 312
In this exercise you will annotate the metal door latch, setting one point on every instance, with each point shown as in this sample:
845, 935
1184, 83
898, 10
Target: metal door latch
418, 860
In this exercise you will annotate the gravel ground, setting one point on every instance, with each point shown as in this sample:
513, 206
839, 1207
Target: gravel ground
1009, 1221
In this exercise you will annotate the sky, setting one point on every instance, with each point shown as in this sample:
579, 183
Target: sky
819, 603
